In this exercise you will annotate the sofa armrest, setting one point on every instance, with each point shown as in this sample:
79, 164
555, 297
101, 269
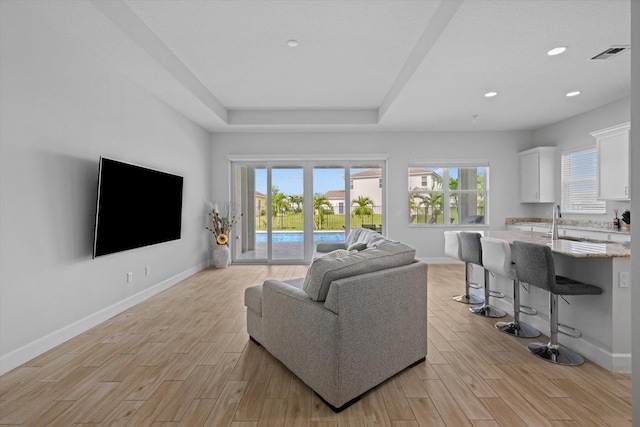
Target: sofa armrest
286, 309
301, 333
330, 246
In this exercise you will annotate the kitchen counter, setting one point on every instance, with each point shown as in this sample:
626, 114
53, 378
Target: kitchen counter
566, 246
604, 320
599, 231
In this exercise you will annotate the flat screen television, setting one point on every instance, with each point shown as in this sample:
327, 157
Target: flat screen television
136, 207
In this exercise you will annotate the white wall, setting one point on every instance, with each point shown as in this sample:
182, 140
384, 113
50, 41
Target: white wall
635, 207
574, 133
499, 148
61, 109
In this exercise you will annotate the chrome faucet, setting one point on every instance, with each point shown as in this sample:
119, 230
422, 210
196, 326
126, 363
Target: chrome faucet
556, 217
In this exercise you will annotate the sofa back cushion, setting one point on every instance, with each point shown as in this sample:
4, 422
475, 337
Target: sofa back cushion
323, 271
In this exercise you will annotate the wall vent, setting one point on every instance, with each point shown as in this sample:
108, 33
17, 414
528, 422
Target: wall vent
611, 52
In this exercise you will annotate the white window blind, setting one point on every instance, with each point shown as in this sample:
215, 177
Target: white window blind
579, 183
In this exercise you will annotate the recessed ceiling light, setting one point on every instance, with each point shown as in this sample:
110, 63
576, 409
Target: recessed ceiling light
490, 94
556, 50
574, 93
292, 43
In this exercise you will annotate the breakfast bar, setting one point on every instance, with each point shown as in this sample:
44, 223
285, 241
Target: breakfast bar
604, 320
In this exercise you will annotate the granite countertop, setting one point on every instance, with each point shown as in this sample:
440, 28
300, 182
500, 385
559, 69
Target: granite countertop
571, 248
601, 226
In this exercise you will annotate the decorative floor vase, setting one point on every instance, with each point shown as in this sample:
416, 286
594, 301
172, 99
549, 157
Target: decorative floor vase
221, 256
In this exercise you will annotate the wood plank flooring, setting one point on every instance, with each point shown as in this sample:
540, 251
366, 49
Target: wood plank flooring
183, 358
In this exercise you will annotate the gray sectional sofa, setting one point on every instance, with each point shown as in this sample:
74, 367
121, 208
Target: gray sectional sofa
355, 320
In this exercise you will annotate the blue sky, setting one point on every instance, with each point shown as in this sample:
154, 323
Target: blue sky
290, 181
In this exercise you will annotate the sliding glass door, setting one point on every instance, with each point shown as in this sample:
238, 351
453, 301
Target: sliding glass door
366, 195
288, 207
250, 197
330, 208
287, 234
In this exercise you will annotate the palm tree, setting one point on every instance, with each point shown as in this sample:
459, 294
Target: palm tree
296, 202
433, 202
320, 204
279, 204
413, 207
364, 207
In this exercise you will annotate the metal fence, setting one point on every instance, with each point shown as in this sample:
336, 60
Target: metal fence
327, 220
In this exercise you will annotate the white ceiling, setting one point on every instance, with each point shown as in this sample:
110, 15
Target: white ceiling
367, 65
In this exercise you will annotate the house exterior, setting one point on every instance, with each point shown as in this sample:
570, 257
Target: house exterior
423, 179
368, 183
336, 198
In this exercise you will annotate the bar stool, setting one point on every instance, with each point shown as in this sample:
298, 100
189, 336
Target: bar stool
535, 265
496, 257
471, 250
452, 249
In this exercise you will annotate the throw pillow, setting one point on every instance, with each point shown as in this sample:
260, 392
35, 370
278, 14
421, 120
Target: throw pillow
357, 247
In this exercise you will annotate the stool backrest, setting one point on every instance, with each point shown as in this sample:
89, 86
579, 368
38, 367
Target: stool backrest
471, 249
534, 265
496, 256
452, 245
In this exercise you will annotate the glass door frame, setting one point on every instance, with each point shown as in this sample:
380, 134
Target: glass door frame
269, 162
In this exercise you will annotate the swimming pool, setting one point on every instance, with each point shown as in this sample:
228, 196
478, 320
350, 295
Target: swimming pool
297, 236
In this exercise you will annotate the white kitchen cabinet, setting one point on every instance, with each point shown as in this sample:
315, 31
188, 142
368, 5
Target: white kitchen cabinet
537, 175
612, 146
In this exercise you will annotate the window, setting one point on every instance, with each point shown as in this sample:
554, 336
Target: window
580, 183
289, 205
443, 195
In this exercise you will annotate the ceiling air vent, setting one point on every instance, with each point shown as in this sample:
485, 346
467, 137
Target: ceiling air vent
611, 52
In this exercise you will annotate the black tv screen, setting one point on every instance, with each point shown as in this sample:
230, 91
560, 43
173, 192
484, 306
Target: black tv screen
137, 207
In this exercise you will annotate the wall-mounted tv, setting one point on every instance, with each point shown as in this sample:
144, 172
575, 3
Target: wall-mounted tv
137, 207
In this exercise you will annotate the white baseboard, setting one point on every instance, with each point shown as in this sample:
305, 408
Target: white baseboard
616, 362
35, 348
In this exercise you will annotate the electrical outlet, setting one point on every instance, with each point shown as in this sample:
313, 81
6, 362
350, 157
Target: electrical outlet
129, 277
625, 279
147, 270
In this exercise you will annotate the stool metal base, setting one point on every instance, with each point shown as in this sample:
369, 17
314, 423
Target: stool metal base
521, 330
471, 299
487, 311
558, 354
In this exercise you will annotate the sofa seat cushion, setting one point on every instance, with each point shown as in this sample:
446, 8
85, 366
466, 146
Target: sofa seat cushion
323, 271
253, 299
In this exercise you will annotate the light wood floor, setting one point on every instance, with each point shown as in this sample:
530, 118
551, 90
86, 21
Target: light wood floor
182, 358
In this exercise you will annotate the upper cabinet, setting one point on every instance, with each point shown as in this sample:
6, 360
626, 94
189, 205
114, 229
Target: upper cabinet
612, 145
537, 175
